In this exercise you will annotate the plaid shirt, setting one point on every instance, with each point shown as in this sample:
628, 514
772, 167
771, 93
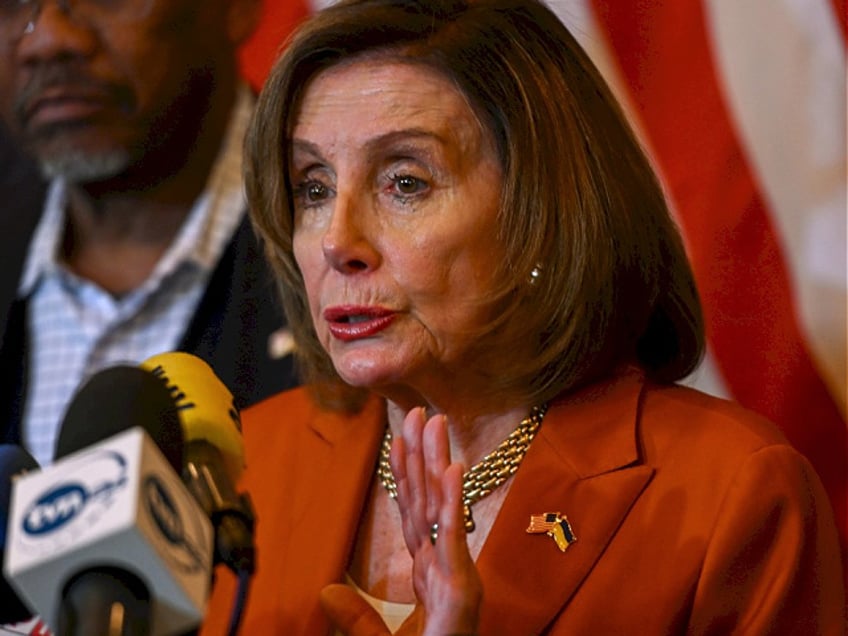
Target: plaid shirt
75, 328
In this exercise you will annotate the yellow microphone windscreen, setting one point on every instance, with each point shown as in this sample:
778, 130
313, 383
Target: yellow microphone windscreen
205, 405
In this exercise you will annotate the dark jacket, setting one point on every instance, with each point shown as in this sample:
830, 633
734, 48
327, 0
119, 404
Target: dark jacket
230, 329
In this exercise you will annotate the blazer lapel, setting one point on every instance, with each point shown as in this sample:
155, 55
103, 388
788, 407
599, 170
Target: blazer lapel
583, 464
336, 479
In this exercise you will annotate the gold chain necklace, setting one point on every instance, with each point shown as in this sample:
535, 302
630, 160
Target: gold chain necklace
487, 474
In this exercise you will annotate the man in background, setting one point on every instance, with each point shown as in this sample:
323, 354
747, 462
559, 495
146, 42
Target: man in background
135, 112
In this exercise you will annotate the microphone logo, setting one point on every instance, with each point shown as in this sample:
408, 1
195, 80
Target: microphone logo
165, 514
77, 502
55, 509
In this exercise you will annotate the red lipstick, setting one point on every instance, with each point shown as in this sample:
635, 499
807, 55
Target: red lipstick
351, 322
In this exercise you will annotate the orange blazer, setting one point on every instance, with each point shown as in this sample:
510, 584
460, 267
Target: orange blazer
691, 516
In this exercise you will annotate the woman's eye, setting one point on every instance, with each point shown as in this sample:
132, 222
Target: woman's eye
316, 191
407, 184
312, 191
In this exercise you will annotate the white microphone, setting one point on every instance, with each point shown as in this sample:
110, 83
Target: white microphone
107, 540
14, 462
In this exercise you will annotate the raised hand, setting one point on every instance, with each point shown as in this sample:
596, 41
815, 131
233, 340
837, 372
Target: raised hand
445, 579
444, 576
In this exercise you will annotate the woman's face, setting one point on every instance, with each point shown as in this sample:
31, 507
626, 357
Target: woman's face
396, 190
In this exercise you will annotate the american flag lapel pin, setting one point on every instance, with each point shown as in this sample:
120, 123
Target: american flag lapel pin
554, 525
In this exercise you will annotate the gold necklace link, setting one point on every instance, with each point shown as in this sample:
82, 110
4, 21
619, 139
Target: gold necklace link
484, 476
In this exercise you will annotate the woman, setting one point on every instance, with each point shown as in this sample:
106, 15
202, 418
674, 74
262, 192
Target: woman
472, 248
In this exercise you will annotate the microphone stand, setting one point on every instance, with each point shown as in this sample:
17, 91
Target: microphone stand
105, 602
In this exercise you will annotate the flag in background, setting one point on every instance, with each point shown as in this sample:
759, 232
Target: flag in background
742, 106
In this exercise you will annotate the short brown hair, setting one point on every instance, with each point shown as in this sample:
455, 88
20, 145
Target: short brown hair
579, 198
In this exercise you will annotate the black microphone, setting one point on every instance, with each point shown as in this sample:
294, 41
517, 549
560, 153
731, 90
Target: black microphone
115, 400
14, 462
107, 540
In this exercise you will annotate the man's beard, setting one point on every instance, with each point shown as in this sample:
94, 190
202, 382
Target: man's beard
67, 149
77, 165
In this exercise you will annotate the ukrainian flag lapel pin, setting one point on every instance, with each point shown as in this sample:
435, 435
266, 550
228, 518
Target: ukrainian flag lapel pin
554, 525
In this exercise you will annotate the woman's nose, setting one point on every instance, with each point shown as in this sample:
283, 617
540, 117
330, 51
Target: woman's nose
345, 242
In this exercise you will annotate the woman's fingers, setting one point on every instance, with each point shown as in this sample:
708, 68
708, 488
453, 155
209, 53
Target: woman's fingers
455, 601
407, 460
408, 518
445, 578
452, 545
419, 458
436, 450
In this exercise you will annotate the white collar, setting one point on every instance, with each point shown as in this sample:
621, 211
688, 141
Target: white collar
203, 236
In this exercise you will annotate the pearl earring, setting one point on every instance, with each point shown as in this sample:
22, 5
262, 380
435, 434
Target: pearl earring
535, 273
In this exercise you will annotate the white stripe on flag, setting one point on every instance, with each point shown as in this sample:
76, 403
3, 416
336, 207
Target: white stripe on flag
783, 68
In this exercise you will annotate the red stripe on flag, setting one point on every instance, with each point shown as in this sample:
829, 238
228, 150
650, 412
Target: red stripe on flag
664, 53
278, 19
841, 10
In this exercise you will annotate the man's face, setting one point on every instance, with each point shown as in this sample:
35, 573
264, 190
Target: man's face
100, 89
